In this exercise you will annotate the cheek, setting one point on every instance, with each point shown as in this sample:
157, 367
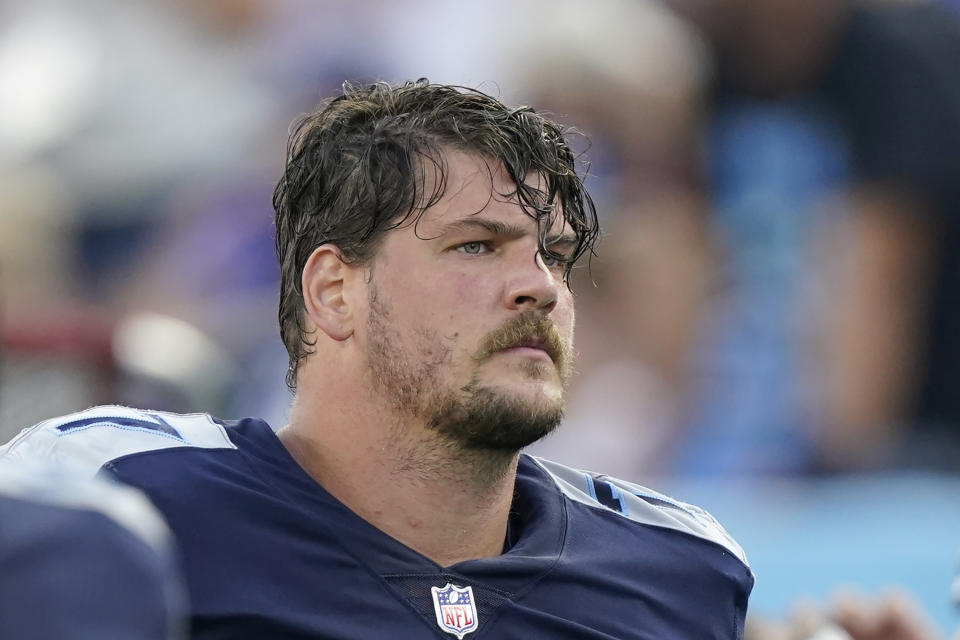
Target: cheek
464, 296
468, 286
448, 306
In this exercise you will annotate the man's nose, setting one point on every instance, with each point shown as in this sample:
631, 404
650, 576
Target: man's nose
532, 285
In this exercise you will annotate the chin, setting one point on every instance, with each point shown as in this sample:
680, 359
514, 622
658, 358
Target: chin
503, 417
536, 394
540, 396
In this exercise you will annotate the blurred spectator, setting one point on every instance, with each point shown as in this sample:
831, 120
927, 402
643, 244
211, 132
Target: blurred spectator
895, 347
836, 190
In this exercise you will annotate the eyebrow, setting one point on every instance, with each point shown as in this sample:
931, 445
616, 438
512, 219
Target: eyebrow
505, 230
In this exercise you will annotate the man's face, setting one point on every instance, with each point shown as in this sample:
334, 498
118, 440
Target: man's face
469, 328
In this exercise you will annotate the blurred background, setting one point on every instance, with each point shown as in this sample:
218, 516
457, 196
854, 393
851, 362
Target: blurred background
771, 328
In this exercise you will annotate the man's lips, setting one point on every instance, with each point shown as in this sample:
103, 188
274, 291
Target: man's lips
534, 347
529, 352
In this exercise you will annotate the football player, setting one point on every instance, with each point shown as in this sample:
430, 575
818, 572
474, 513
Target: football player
425, 235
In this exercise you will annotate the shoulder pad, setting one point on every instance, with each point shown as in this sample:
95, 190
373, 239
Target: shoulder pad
639, 504
85, 441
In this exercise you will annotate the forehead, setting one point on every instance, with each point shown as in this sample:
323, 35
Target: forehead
475, 186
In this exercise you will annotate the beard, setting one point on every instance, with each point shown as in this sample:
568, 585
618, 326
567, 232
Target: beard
484, 418
475, 416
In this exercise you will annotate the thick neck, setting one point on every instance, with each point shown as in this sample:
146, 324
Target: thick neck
448, 504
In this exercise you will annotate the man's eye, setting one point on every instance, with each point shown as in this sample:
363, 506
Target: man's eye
552, 262
473, 248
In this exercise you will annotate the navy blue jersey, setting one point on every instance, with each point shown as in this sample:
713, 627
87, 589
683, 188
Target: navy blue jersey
268, 553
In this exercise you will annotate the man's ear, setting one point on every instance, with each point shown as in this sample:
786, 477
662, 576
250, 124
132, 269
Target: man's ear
324, 278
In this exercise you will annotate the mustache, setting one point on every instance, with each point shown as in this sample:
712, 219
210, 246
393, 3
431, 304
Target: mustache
530, 327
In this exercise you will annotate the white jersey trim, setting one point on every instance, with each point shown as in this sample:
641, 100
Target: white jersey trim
642, 505
85, 441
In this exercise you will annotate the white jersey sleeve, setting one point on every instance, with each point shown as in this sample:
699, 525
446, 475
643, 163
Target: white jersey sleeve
83, 442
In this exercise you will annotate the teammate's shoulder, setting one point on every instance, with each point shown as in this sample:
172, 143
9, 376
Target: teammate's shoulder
97, 554
639, 504
87, 440
39, 486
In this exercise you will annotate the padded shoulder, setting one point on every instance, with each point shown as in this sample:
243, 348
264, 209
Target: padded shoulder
83, 442
639, 504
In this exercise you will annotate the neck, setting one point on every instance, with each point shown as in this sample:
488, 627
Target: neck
445, 502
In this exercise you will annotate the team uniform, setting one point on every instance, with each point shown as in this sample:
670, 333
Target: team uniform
268, 553
84, 559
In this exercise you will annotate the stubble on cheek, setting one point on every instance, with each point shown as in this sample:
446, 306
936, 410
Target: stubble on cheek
407, 378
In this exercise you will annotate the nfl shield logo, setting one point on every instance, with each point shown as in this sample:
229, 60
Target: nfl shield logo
456, 611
